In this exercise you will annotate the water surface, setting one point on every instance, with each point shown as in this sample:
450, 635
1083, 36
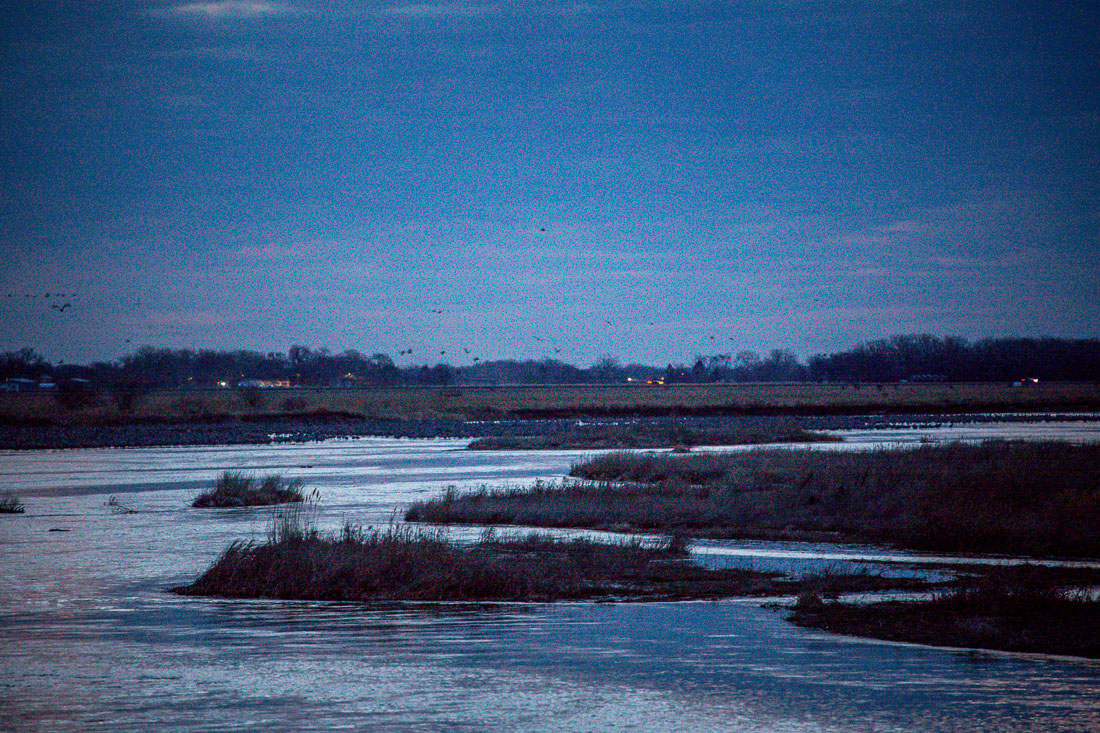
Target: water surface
91, 640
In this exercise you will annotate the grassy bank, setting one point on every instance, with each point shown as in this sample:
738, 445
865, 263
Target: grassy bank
236, 490
640, 434
475, 402
1040, 499
1016, 609
404, 563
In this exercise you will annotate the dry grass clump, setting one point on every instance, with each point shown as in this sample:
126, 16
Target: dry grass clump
1011, 497
407, 563
10, 504
237, 490
402, 562
564, 504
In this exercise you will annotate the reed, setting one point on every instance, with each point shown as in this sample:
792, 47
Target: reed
236, 490
404, 562
1040, 499
410, 563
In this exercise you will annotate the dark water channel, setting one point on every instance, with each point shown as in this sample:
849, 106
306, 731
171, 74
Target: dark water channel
90, 640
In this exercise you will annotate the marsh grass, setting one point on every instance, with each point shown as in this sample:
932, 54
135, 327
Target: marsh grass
403, 562
10, 504
236, 490
1039, 499
1021, 609
642, 434
410, 563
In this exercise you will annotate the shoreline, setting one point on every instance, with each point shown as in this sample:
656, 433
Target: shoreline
315, 427
1025, 609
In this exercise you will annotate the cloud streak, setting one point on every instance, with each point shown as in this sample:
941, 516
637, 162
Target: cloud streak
219, 9
439, 10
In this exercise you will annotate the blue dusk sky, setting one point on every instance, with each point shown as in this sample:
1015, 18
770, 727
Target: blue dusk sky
649, 180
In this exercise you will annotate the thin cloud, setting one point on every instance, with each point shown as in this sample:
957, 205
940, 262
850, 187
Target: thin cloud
439, 10
218, 9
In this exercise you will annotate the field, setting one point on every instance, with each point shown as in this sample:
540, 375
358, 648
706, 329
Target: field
492, 402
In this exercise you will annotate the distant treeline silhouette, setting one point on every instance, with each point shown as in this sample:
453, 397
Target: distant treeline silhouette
901, 358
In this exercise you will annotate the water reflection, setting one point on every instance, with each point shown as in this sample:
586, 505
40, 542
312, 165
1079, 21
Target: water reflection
184, 664
91, 641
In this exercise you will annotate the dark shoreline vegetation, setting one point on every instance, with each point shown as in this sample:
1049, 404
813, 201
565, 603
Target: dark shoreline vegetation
1016, 609
409, 563
1035, 499
912, 357
234, 489
600, 435
256, 430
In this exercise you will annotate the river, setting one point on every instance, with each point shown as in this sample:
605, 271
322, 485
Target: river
92, 640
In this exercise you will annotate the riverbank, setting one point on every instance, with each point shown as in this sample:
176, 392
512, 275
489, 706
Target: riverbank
640, 434
509, 402
513, 433
1023, 609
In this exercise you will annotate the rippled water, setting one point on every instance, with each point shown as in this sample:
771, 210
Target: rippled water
90, 639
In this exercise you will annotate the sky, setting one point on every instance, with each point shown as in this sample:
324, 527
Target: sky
647, 180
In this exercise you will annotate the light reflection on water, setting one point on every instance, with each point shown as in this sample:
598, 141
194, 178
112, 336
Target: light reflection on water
91, 640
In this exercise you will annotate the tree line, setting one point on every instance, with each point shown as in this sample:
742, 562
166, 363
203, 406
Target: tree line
900, 358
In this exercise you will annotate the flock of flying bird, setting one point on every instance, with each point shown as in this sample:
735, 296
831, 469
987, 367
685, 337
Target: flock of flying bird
62, 302
55, 297
546, 344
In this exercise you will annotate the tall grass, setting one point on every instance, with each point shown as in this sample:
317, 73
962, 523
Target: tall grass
1010, 497
236, 489
1014, 609
403, 562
